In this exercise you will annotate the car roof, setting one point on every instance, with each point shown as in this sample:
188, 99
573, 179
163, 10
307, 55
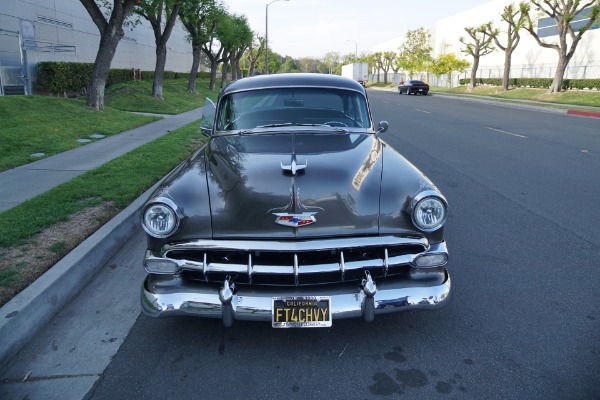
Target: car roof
293, 80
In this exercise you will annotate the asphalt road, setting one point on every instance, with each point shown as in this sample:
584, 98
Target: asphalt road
524, 242
524, 239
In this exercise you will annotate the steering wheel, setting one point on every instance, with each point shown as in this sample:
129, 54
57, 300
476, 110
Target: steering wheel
335, 123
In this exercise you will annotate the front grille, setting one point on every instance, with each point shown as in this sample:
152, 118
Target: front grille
295, 267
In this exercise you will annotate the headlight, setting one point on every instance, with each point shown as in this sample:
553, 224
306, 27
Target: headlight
430, 214
159, 220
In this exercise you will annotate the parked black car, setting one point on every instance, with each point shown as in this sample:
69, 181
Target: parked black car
295, 212
413, 87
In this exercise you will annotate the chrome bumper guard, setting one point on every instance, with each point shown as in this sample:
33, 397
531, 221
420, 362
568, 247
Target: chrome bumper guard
166, 296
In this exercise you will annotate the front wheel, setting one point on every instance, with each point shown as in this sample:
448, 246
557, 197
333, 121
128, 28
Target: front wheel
424, 93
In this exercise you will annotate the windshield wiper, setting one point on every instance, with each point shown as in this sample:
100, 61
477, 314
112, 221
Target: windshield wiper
275, 125
333, 128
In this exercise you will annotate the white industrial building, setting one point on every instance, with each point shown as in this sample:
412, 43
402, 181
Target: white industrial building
529, 58
62, 30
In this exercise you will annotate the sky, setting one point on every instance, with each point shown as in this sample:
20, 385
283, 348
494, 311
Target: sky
311, 28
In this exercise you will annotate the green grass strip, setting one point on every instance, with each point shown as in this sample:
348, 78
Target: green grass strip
137, 96
50, 125
121, 181
588, 98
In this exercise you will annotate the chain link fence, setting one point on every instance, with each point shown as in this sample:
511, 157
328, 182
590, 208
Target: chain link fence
516, 71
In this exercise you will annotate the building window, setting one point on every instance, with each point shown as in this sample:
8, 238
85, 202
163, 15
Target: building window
547, 26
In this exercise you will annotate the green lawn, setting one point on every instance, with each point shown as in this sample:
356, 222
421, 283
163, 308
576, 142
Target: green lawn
136, 96
570, 97
51, 125
120, 181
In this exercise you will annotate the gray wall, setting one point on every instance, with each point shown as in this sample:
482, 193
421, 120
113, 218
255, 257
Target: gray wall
63, 31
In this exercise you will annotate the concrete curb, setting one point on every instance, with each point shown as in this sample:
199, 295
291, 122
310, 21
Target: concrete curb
584, 113
28, 312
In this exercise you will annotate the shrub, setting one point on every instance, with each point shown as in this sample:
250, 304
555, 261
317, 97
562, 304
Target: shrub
537, 82
64, 77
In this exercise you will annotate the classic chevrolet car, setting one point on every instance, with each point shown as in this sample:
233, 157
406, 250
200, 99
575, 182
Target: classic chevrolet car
295, 212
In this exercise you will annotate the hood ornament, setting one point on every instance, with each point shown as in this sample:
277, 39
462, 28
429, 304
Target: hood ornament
295, 219
294, 167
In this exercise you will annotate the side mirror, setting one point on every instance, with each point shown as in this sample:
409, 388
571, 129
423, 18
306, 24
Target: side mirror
382, 127
208, 117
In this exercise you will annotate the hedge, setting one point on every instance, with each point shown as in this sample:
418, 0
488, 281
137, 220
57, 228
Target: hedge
537, 82
63, 77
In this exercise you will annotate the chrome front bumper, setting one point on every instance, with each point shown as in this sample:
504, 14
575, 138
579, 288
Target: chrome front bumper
170, 295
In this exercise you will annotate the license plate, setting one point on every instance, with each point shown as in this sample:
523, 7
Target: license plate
302, 312
420, 90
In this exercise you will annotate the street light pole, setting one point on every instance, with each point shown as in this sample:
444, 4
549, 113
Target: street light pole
267, 35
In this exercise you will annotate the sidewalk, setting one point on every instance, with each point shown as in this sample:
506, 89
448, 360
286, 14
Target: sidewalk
25, 182
28, 312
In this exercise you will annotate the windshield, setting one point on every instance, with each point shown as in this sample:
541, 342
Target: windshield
297, 106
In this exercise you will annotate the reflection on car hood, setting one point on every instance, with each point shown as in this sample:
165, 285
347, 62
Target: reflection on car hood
328, 180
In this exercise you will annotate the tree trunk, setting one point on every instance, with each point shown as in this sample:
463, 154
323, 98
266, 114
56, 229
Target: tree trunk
506, 75
194, 72
224, 66
556, 86
214, 64
159, 70
473, 73
106, 52
234, 69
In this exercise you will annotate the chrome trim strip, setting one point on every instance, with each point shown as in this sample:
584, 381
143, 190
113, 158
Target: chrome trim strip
296, 269
386, 263
204, 267
342, 265
250, 268
296, 246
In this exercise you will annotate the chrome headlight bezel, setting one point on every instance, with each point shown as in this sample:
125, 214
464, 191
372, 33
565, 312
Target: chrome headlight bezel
431, 198
169, 208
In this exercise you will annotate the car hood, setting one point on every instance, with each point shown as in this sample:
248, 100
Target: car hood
294, 184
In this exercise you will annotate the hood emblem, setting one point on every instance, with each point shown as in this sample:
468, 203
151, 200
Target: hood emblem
295, 219
294, 167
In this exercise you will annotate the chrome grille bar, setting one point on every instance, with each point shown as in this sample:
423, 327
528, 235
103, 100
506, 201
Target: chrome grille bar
248, 263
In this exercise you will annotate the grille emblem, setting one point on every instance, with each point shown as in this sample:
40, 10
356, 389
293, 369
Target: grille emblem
295, 220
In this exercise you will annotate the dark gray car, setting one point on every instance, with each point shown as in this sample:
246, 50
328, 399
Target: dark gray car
295, 212
413, 87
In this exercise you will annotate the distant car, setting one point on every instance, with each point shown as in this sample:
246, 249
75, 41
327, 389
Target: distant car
295, 212
413, 87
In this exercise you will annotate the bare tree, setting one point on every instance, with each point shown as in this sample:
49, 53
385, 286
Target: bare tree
111, 32
562, 12
154, 11
515, 20
479, 45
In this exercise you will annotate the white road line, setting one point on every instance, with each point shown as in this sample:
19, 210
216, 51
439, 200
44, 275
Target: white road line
507, 133
423, 111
